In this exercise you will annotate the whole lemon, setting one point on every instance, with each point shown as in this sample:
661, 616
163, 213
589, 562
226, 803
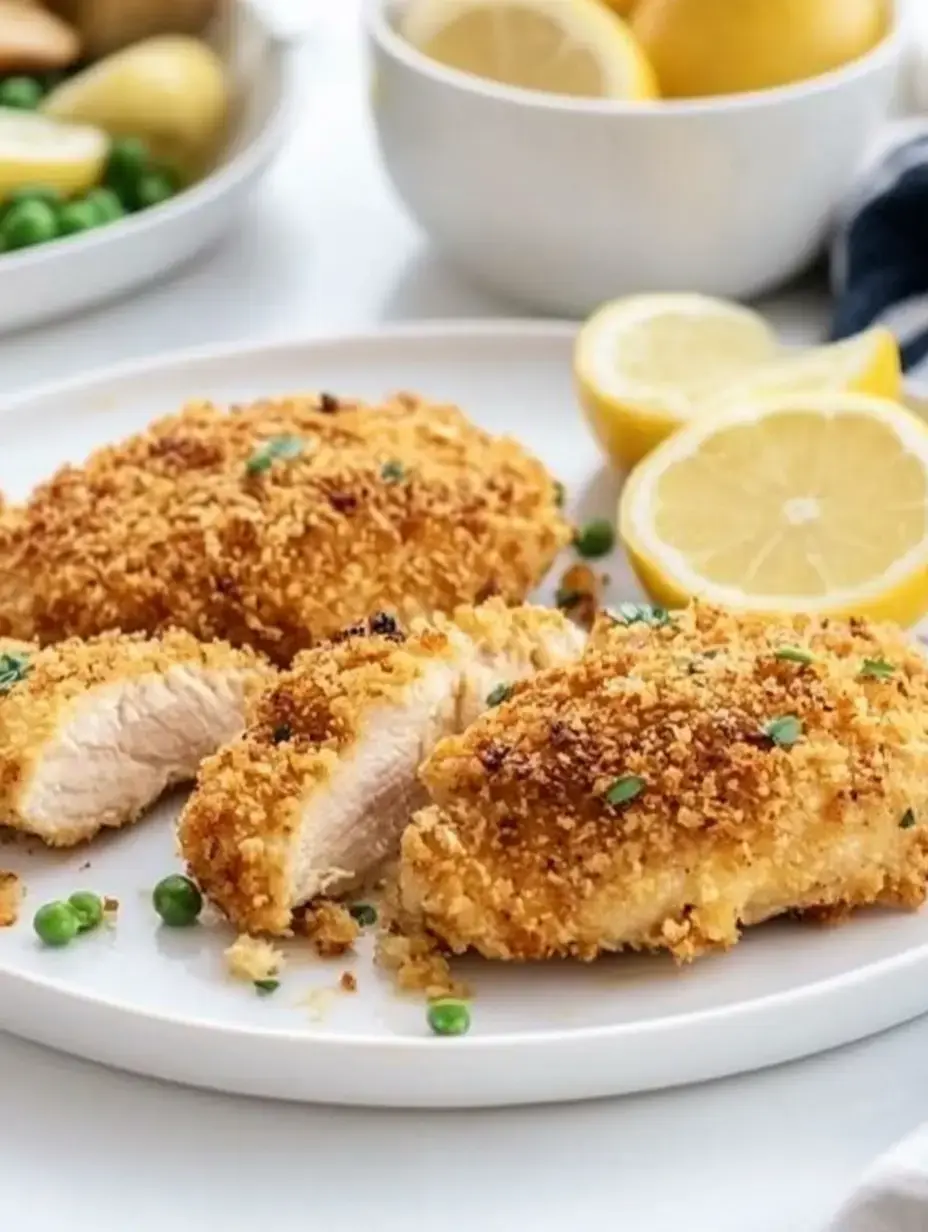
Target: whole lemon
704, 47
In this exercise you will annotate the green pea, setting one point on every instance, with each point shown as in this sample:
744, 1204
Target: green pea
106, 204
363, 914
448, 1016
28, 223
178, 901
77, 216
596, 538
57, 924
89, 909
129, 158
153, 188
34, 192
22, 93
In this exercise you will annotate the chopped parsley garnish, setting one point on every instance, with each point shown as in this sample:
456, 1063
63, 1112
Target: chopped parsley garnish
14, 668
794, 654
363, 914
641, 614
560, 494
784, 731
264, 988
625, 789
567, 598
595, 538
282, 733
269, 451
876, 669
908, 820
393, 472
500, 694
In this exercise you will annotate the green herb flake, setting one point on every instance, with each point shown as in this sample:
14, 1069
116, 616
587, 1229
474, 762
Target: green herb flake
393, 472
282, 733
876, 669
500, 694
264, 988
566, 599
794, 654
269, 451
784, 731
364, 914
641, 614
908, 820
560, 494
625, 789
595, 538
14, 668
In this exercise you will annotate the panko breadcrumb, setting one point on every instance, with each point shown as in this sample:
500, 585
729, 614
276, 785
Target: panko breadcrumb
252, 959
677, 784
15, 570
276, 525
329, 926
11, 897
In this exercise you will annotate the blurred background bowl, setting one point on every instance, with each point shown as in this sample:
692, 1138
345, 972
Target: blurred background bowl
559, 204
57, 279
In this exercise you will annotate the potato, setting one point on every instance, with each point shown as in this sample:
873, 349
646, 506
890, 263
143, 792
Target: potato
108, 25
34, 41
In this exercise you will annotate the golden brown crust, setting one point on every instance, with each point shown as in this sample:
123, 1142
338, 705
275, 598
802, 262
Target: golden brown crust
15, 593
522, 856
11, 897
32, 709
237, 828
407, 507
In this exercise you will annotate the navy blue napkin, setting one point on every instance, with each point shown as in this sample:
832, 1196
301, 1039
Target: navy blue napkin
879, 258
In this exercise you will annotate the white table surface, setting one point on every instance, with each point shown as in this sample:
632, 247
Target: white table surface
326, 249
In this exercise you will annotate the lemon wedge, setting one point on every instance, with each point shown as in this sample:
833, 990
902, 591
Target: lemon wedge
643, 365
574, 47
868, 363
37, 151
802, 503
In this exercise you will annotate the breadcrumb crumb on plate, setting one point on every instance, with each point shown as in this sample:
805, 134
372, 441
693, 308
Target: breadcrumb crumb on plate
157, 1001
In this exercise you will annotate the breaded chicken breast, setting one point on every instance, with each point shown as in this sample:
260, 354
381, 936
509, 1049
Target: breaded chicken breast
275, 525
15, 592
677, 784
315, 793
91, 733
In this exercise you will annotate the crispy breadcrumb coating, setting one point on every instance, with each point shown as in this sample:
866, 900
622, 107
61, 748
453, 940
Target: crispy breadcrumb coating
241, 830
330, 927
713, 824
275, 525
251, 959
34, 710
15, 567
11, 897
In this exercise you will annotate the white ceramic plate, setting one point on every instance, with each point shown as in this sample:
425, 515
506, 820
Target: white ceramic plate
52, 280
158, 1002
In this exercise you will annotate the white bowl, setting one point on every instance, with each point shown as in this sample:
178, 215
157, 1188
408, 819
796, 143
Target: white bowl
562, 203
56, 279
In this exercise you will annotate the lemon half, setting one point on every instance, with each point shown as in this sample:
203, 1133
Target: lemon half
803, 503
573, 47
643, 364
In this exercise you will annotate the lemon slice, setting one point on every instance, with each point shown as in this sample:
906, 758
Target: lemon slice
573, 47
38, 151
644, 364
804, 503
868, 363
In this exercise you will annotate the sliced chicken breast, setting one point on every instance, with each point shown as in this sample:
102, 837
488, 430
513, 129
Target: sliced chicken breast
92, 733
685, 779
316, 792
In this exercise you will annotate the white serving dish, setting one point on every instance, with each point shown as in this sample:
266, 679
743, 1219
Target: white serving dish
57, 279
158, 1001
562, 203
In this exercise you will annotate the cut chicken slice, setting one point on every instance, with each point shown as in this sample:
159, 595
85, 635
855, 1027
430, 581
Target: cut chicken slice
316, 792
92, 733
689, 776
